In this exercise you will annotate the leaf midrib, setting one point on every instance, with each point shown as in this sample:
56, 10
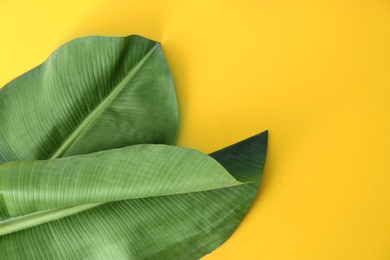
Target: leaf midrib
37, 218
78, 132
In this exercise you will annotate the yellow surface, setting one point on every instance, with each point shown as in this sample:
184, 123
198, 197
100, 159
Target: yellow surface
315, 73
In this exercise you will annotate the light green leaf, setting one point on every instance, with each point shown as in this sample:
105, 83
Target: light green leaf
92, 94
179, 226
137, 171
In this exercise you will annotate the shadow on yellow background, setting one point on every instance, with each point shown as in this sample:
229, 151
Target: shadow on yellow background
316, 74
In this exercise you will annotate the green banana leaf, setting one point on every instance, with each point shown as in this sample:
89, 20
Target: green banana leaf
88, 98
92, 94
136, 171
178, 226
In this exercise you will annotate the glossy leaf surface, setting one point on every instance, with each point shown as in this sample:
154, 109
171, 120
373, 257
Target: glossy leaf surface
92, 94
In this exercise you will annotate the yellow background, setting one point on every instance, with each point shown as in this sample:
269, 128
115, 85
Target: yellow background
315, 73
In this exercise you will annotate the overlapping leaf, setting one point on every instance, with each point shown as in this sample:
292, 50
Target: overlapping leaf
144, 201
136, 171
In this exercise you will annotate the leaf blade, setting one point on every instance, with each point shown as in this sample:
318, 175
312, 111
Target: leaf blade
132, 172
57, 97
168, 227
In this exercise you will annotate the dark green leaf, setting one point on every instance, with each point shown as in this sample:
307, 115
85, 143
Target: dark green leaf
92, 94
